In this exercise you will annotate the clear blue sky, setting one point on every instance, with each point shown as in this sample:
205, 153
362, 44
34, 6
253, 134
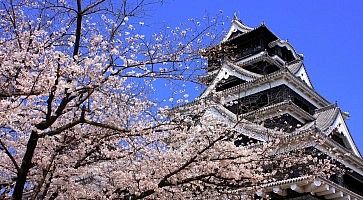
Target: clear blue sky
328, 33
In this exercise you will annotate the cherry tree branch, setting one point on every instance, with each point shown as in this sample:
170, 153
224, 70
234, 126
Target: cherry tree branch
10, 156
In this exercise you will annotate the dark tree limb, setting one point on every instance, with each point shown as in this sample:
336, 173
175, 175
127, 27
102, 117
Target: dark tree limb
26, 164
78, 28
10, 156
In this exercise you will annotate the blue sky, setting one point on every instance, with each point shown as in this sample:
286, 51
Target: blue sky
327, 32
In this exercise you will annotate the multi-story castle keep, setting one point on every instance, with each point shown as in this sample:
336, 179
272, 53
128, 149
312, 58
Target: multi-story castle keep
263, 79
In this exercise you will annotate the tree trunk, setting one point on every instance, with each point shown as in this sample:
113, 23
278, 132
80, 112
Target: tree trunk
26, 164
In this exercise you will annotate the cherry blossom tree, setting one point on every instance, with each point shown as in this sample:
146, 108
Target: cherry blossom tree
77, 119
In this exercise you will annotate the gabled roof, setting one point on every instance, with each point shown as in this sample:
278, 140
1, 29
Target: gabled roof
329, 118
229, 69
237, 27
287, 45
325, 117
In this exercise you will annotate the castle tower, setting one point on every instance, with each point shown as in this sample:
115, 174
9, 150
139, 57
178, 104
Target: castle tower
261, 78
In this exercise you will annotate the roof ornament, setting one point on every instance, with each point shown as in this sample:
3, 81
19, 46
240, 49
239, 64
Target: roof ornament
235, 17
346, 115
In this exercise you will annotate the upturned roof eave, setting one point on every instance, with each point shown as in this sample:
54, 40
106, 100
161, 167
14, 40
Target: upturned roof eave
282, 106
284, 73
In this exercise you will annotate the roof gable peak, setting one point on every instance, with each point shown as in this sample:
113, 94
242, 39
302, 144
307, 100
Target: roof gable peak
237, 25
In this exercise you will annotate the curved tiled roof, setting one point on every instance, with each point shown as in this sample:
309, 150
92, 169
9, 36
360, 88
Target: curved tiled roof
295, 66
325, 117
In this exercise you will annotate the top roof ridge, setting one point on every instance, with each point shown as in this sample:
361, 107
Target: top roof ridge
328, 107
